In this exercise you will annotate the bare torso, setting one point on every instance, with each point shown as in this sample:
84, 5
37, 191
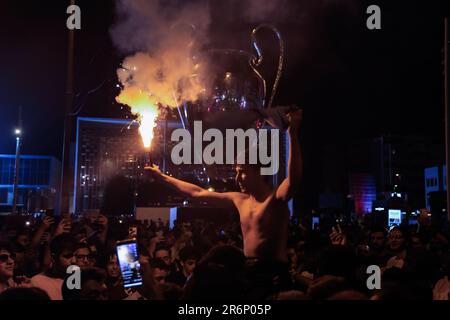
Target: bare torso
264, 226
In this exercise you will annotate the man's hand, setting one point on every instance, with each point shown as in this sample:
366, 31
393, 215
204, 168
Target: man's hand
295, 119
47, 222
337, 237
64, 226
153, 171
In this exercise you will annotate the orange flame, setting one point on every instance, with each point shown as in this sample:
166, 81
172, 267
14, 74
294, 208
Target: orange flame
145, 108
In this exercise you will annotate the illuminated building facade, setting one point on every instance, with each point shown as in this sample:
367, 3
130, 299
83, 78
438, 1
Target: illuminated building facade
38, 182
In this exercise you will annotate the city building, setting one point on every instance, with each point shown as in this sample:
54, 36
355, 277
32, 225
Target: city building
435, 184
392, 167
38, 182
363, 192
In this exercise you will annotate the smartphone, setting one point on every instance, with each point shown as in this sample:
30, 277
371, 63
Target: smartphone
130, 268
315, 223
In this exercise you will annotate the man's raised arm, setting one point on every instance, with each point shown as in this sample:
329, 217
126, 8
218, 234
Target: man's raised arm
191, 190
291, 184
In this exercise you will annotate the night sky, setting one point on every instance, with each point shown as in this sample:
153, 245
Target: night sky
351, 81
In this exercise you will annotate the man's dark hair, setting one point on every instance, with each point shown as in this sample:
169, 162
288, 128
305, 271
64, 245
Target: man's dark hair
379, 229
404, 231
159, 263
6, 246
90, 273
188, 252
423, 237
15, 294
83, 245
61, 243
255, 167
160, 247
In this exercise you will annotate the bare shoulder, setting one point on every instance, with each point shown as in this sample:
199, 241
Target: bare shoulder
236, 197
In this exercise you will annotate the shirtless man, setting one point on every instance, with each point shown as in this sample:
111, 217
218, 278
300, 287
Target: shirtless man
263, 211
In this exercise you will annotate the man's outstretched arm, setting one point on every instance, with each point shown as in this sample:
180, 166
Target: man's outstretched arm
291, 184
191, 190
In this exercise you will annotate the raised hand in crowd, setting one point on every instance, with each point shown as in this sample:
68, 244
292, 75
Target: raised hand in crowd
338, 237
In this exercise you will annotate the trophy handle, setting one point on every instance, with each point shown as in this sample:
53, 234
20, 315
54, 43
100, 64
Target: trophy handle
257, 60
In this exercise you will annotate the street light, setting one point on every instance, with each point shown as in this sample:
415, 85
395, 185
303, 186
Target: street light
18, 133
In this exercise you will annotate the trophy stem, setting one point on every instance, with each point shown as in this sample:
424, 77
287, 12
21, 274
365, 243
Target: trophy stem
258, 60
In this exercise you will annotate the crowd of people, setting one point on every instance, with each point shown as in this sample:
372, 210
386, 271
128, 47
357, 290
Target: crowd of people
198, 259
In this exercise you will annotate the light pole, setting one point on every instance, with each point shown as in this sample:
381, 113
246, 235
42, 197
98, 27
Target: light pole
66, 173
447, 115
18, 133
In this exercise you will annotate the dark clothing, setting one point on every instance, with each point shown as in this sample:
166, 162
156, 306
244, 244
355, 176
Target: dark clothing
379, 259
177, 278
115, 289
266, 277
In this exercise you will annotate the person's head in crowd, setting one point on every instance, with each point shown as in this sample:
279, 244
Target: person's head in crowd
171, 291
7, 263
348, 295
289, 295
188, 260
92, 284
22, 293
397, 284
228, 256
248, 176
397, 239
159, 270
62, 249
326, 286
94, 252
377, 239
91, 217
217, 275
292, 255
419, 241
339, 261
439, 242
213, 281
112, 267
22, 239
445, 264
162, 252
83, 256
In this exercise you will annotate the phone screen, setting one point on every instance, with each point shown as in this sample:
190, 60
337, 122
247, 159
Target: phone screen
128, 257
315, 223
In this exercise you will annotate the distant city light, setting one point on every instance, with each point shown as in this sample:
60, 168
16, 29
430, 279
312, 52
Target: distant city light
27, 223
